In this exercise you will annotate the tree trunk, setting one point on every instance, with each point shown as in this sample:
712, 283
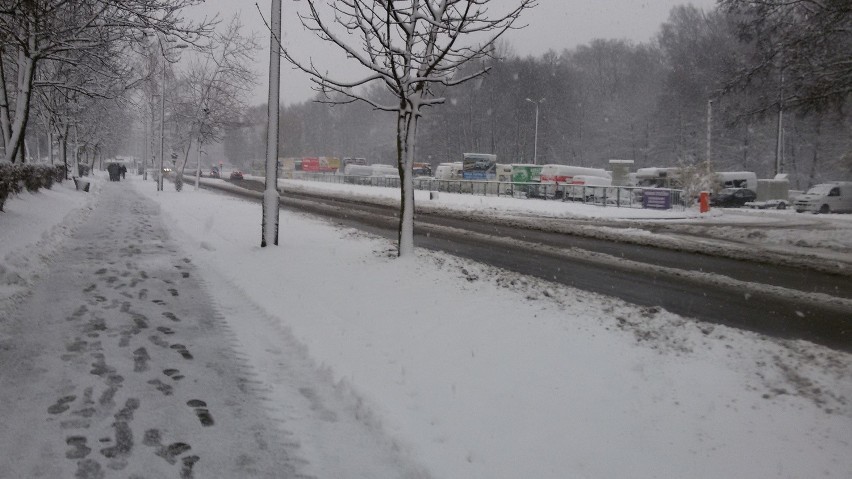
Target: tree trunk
5, 127
198, 166
22, 109
179, 169
63, 148
812, 176
406, 138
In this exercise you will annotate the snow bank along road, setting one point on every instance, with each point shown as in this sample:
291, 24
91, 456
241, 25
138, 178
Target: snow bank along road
116, 364
785, 300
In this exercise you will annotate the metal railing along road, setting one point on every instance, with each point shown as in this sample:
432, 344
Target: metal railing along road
612, 196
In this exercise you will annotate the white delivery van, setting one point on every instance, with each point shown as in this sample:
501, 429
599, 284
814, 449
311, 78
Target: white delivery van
834, 197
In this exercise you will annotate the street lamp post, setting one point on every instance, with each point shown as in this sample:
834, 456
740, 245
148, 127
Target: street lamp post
269, 222
162, 124
76, 151
164, 52
144, 150
535, 141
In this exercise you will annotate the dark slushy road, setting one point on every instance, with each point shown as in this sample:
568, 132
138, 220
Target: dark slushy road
628, 271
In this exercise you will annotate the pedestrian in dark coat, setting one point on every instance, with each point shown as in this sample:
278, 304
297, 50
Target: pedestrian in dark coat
113, 170
123, 172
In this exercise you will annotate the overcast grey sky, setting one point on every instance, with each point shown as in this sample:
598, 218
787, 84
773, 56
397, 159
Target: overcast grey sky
554, 24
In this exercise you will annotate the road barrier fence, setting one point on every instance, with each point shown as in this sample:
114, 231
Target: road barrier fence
612, 196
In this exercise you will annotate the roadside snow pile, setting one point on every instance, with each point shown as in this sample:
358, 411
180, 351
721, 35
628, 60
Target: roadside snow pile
47, 217
776, 228
830, 236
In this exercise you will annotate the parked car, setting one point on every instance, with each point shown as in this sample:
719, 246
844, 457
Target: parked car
733, 197
236, 175
834, 197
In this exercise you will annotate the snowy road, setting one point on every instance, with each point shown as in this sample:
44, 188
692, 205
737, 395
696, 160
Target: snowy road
773, 299
119, 364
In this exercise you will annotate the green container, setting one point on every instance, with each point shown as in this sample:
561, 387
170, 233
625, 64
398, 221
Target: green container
526, 173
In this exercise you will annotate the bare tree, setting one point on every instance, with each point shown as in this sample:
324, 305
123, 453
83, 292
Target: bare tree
67, 92
214, 90
36, 31
800, 45
411, 47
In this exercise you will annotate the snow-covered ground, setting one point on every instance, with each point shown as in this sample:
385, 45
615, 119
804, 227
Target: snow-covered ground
470, 371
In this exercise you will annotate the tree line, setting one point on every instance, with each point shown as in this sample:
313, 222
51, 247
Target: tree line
710, 87
91, 72
68, 70
100, 77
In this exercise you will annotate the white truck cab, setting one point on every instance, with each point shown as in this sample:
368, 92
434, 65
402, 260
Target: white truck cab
834, 197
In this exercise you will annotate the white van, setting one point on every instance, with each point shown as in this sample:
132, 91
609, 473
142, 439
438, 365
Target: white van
834, 197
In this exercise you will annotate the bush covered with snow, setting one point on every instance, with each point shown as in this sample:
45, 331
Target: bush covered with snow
14, 178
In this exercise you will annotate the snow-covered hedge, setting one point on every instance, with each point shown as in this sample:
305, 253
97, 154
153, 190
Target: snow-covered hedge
15, 177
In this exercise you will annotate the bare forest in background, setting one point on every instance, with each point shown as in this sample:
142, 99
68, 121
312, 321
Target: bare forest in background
609, 99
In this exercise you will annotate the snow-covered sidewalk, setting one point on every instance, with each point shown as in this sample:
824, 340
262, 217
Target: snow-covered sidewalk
443, 368
117, 365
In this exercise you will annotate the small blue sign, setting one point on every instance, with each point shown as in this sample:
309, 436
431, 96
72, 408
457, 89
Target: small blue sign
474, 175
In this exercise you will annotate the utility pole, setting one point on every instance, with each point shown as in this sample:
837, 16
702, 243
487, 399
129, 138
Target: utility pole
50, 141
166, 60
535, 140
779, 142
162, 122
269, 226
198, 165
709, 132
145, 148
779, 137
76, 147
